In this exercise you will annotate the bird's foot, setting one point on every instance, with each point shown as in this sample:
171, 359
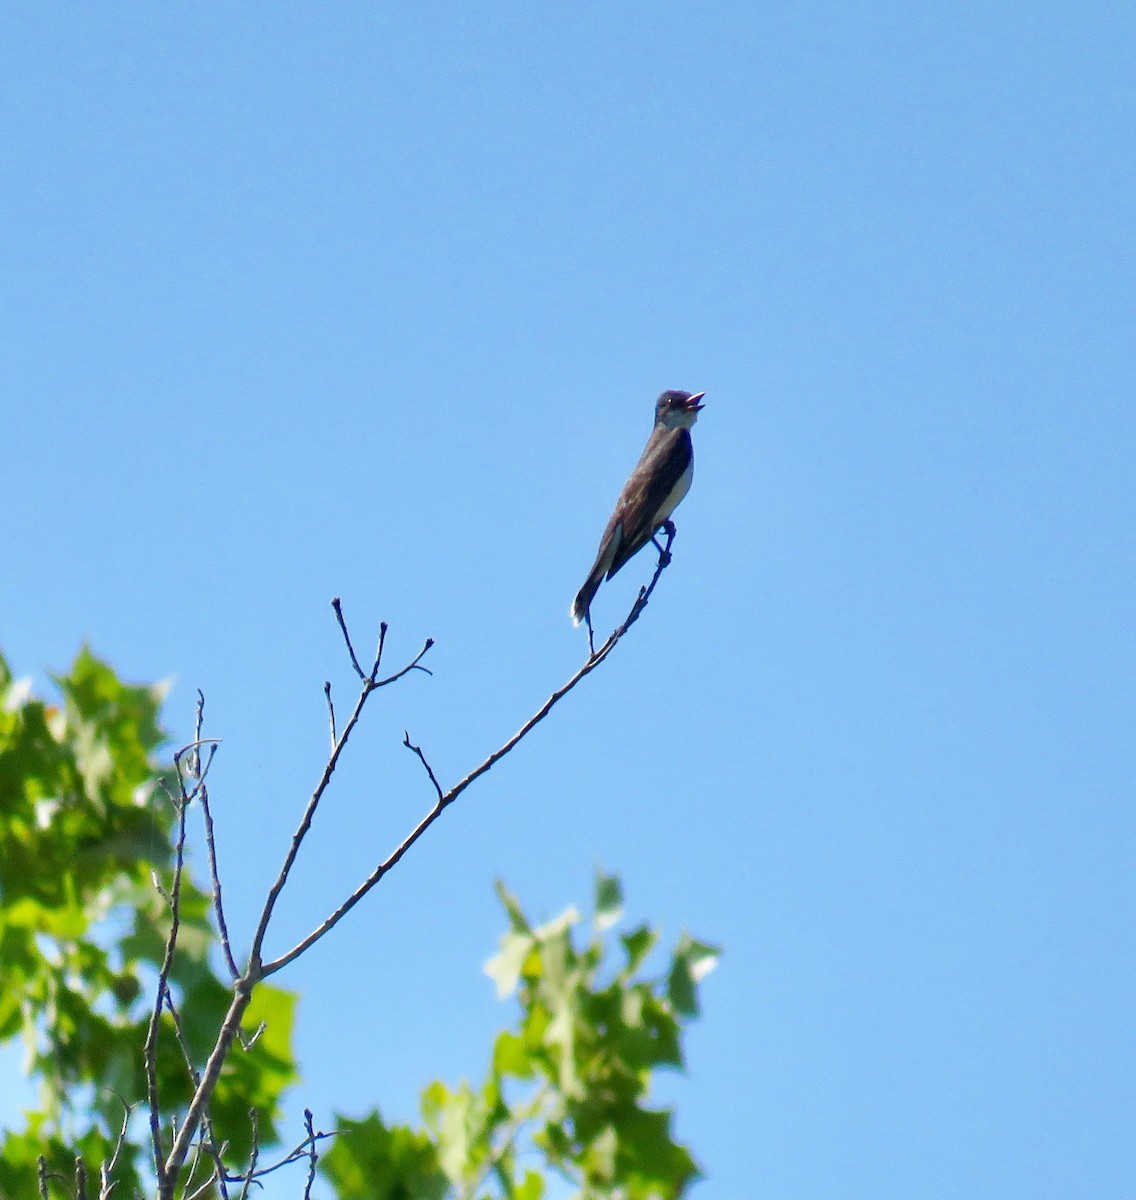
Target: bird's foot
663, 553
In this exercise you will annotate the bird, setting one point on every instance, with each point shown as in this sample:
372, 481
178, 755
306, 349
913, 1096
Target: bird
660, 480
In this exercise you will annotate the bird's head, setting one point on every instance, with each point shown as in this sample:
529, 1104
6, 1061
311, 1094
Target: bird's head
678, 410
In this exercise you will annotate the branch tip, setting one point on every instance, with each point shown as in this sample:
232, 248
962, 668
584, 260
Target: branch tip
347, 637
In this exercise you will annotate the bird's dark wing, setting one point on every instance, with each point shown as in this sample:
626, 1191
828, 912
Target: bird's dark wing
666, 459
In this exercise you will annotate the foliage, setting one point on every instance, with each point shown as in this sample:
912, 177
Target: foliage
85, 834
84, 831
566, 1090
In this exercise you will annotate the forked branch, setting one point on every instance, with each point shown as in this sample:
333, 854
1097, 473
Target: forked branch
169, 1166
446, 798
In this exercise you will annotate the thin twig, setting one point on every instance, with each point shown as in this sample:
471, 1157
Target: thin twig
194, 1162
368, 687
247, 1043
216, 1152
150, 1050
198, 722
105, 1171
251, 1174
422, 759
179, 1035
215, 878
330, 710
194, 766
303, 1150
210, 840
445, 799
205, 1186
313, 1155
257, 969
415, 665
245, 984
242, 994
347, 637
379, 649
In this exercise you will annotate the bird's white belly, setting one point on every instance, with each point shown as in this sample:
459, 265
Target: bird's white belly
681, 487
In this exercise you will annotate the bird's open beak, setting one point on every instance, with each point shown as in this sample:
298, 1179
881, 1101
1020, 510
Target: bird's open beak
693, 404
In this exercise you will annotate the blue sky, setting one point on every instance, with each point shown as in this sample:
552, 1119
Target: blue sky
374, 300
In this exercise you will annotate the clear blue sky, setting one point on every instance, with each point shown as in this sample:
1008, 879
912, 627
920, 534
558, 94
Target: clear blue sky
374, 300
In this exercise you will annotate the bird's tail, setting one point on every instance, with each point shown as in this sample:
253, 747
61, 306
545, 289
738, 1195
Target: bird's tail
585, 595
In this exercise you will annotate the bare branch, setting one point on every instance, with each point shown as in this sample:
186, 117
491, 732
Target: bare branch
246, 983
347, 637
194, 767
198, 722
215, 878
422, 759
179, 1034
593, 661
305, 1149
150, 1049
414, 665
379, 649
247, 1043
330, 710
199, 1150
206, 1185
250, 1175
369, 686
202, 792
242, 994
216, 1153
313, 1155
257, 969
106, 1183
445, 799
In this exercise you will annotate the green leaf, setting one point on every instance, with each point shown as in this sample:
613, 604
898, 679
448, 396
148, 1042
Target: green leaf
599, 1159
370, 1160
462, 1123
512, 1056
505, 967
650, 1163
637, 945
609, 900
531, 1188
517, 919
691, 963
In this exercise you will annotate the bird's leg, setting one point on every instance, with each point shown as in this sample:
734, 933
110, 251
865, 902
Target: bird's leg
591, 637
668, 528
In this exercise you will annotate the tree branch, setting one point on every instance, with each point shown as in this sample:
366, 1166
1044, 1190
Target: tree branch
445, 799
422, 759
347, 637
370, 684
168, 1170
150, 1048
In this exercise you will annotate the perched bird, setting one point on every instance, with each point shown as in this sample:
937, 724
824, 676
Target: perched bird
649, 497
